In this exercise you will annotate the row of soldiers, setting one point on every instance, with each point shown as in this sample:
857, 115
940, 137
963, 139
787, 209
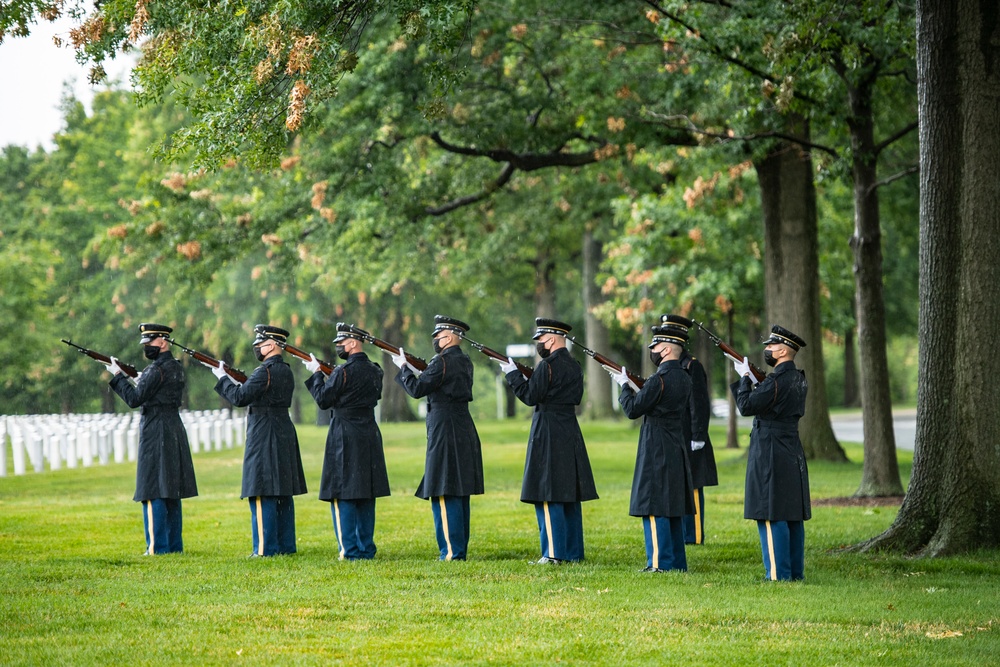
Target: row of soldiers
674, 462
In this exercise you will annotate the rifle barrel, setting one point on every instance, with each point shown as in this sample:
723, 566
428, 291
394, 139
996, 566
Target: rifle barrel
493, 354
128, 369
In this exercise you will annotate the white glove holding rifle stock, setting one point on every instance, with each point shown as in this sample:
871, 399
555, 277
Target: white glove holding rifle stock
113, 367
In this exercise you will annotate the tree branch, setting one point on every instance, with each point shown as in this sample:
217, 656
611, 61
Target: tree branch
895, 137
895, 177
721, 54
691, 128
454, 204
522, 161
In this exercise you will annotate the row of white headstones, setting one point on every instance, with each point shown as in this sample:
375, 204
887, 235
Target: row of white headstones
75, 440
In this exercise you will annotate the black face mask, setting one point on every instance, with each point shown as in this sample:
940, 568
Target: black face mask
257, 353
654, 357
150, 351
769, 358
437, 345
341, 351
542, 351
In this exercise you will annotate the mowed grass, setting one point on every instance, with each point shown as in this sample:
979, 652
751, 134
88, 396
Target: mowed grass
75, 591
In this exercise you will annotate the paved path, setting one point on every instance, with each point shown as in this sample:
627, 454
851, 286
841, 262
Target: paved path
849, 427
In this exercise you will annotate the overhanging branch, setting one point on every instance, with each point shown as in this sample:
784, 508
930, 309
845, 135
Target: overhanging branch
501, 181
521, 161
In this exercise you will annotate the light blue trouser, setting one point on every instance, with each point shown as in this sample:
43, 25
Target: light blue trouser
783, 547
664, 542
161, 519
272, 525
694, 524
451, 526
560, 529
354, 525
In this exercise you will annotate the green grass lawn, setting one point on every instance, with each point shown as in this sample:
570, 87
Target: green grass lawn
75, 591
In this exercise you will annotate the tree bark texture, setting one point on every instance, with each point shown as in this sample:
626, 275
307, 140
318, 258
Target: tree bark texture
880, 470
953, 502
791, 276
597, 399
394, 406
850, 371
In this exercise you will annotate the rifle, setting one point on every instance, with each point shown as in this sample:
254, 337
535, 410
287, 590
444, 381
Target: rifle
414, 361
608, 364
97, 356
493, 354
327, 368
203, 358
730, 352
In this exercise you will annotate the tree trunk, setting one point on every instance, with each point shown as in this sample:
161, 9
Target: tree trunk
791, 276
880, 471
597, 399
545, 291
953, 503
850, 371
732, 436
394, 406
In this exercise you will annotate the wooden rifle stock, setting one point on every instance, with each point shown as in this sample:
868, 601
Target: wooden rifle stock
416, 362
608, 363
493, 354
206, 360
305, 356
730, 352
97, 356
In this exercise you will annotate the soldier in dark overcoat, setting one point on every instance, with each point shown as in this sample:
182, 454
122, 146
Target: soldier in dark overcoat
557, 474
272, 464
164, 472
662, 490
701, 454
453, 468
777, 482
354, 472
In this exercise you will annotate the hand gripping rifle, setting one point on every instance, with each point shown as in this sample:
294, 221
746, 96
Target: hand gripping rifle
730, 352
97, 356
608, 364
414, 361
203, 358
324, 366
493, 354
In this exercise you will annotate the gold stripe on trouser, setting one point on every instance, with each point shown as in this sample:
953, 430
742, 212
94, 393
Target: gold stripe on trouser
770, 551
260, 528
152, 528
548, 529
655, 541
697, 518
444, 526
337, 527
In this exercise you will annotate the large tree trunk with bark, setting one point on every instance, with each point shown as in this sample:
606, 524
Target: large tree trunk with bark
394, 406
880, 471
597, 399
851, 395
791, 275
953, 502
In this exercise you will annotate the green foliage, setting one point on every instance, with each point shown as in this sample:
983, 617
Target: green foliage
213, 606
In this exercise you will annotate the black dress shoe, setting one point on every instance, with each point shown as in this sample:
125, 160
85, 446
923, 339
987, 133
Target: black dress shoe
651, 569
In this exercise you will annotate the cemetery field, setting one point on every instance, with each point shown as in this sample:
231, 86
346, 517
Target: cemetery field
75, 590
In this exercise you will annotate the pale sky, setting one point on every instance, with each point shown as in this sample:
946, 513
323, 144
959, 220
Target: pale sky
32, 73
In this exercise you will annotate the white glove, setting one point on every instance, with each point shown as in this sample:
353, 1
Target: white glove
220, 370
313, 364
743, 368
138, 376
507, 366
697, 444
399, 359
619, 376
113, 367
